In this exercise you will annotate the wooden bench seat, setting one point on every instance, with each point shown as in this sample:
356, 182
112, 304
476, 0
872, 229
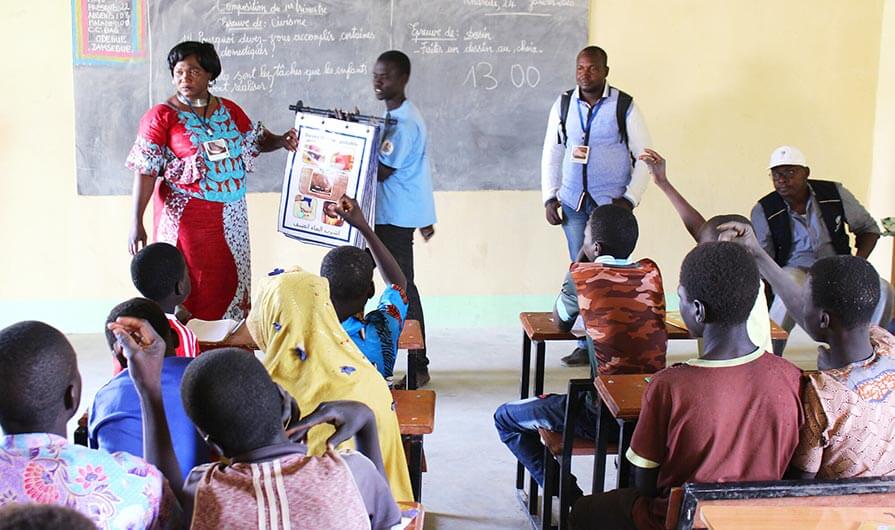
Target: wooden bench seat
580, 446
416, 417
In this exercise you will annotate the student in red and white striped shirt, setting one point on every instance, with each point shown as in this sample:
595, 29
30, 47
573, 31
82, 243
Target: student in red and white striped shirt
160, 273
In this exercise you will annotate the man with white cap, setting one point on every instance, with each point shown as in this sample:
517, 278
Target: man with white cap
804, 220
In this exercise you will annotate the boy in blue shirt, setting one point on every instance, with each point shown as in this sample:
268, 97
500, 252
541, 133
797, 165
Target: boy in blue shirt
350, 274
404, 200
115, 417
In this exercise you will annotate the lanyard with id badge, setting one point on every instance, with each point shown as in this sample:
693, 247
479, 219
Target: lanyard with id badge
216, 148
581, 152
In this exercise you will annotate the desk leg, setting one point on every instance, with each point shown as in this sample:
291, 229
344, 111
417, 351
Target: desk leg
778, 345
523, 393
525, 387
416, 466
626, 429
539, 367
602, 440
411, 370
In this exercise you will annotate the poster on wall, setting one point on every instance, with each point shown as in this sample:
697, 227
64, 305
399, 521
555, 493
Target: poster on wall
333, 158
108, 32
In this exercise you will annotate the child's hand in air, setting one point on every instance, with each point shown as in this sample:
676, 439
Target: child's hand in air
741, 233
656, 165
350, 211
144, 350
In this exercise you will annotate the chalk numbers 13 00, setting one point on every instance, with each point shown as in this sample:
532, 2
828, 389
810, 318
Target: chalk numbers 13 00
483, 75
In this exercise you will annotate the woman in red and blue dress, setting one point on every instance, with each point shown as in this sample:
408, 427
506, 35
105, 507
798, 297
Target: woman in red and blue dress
194, 152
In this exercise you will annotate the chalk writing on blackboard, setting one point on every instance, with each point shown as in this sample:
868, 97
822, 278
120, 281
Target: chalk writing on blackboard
108, 31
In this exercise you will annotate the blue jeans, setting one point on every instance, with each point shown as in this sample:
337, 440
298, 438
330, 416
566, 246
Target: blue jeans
573, 224
517, 423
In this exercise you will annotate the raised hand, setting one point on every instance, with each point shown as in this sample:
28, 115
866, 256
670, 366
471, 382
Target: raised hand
656, 165
741, 233
144, 350
350, 211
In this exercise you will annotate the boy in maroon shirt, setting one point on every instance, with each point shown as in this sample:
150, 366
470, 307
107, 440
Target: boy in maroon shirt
731, 415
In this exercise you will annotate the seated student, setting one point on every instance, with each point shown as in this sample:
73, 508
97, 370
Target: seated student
609, 238
269, 480
309, 354
733, 414
115, 420
849, 404
704, 231
350, 274
43, 517
159, 272
41, 392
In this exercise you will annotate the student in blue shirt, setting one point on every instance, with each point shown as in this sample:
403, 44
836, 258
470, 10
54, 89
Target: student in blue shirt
350, 274
115, 419
404, 200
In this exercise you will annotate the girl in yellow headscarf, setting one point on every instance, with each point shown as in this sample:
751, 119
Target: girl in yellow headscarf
309, 354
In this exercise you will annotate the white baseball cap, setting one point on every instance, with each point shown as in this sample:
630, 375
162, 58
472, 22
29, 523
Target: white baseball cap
787, 155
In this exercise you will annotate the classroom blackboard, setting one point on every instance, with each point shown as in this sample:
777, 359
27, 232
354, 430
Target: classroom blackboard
484, 74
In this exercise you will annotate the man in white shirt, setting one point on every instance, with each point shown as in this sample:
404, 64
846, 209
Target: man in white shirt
594, 135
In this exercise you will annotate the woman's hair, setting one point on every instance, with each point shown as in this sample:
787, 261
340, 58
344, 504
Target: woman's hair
204, 52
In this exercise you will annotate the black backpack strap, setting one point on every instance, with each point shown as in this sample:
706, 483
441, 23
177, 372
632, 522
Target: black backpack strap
564, 103
621, 114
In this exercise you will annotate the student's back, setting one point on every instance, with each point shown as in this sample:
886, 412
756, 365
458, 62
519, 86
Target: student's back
718, 421
115, 419
297, 488
623, 307
41, 392
267, 480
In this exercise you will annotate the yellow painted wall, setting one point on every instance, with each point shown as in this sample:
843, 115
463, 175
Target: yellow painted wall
720, 83
882, 183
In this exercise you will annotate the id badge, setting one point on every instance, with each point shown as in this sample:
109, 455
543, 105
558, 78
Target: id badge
216, 149
580, 154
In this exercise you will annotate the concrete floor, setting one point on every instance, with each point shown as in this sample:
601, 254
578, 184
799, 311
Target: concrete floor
470, 482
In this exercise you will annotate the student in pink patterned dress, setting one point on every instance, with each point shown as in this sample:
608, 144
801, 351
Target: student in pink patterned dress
41, 392
192, 154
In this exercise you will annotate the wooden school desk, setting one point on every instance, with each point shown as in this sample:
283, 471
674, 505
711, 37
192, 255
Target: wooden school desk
620, 397
539, 327
416, 417
745, 517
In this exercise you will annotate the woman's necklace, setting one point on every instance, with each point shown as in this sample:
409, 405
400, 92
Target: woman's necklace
203, 103
198, 102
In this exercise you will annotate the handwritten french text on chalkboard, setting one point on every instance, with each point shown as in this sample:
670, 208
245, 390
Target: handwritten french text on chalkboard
484, 75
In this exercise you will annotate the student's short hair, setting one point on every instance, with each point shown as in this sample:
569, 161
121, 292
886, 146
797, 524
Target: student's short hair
847, 287
230, 396
204, 52
156, 269
723, 276
710, 228
42, 517
349, 271
398, 59
37, 363
596, 51
148, 311
615, 228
